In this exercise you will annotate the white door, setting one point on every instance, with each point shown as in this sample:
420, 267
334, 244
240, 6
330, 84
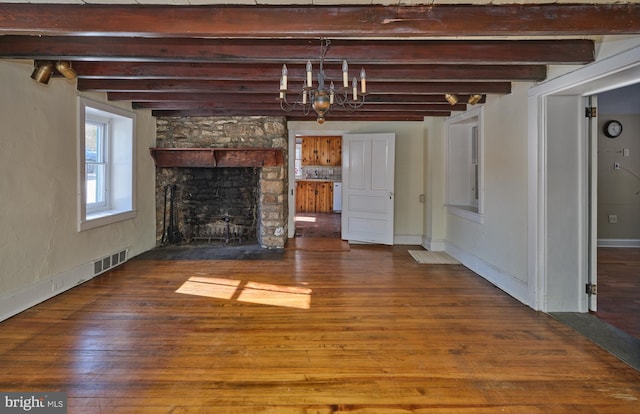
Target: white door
592, 129
368, 162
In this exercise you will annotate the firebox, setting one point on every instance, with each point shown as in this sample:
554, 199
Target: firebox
212, 205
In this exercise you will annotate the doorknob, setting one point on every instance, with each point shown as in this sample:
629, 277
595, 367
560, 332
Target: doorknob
390, 195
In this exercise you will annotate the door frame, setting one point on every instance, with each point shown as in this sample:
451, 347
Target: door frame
293, 133
613, 72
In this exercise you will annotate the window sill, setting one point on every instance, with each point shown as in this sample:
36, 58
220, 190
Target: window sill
104, 218
466, 212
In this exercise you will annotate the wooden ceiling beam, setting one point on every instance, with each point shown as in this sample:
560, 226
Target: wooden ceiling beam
297, 51
275, 106
318, 21
247, 71
383, 88
248, 99
299, 116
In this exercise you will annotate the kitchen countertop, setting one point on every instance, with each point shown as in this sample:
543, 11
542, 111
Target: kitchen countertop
318, 179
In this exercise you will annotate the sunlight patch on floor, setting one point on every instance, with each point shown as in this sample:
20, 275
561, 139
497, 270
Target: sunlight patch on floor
210, 287
249, 292
306, 219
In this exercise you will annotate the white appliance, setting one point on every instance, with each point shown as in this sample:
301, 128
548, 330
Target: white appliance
337, 196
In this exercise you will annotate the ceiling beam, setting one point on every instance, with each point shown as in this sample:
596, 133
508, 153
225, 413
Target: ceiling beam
275, 106
250, 99
318, 21
253, 72
299, 116
126, 85
297, 51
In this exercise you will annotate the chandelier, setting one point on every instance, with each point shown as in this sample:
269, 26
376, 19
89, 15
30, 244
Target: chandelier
322, 99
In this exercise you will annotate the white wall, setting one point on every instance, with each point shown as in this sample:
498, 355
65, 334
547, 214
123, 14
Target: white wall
619, 190
41, 251
497, 247
434, 185
409, 177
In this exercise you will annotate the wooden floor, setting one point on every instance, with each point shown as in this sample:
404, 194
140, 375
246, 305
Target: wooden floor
619, 288
364, 331
318, 225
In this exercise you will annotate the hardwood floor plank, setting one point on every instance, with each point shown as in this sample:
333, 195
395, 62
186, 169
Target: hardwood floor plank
382, 335
619, 288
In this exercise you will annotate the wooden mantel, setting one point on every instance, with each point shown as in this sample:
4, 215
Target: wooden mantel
216, 157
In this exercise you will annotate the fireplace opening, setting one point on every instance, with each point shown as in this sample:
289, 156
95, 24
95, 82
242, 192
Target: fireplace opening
211, 205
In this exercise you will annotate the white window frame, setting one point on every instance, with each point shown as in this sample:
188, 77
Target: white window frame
465, 172
102, 158
119, 157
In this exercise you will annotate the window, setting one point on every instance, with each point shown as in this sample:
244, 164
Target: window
96, 166
298, 159
464, 165
107, 164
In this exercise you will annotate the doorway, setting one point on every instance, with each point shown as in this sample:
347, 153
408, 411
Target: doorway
559, 252
318, 183
618, 203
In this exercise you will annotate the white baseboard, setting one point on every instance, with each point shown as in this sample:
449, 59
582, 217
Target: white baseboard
433, 245
14, 302
498, 277
410, 239
618, 242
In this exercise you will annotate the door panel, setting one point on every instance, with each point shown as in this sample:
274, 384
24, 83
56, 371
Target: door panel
368, 180
592, 101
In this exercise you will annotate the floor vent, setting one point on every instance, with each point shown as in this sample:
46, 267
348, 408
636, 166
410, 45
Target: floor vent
109, 262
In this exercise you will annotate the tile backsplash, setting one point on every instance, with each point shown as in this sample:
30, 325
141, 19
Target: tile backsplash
330, 173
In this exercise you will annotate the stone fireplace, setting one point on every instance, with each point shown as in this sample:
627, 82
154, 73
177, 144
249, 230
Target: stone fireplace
221, 180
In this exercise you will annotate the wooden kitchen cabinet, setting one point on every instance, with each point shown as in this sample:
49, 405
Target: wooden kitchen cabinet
323, 151
314, 197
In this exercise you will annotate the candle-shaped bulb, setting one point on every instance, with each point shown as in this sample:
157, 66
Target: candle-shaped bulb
282, 88
345, 74
304, 92
309, 74
354, 86
363, 81
285, 73
331, 93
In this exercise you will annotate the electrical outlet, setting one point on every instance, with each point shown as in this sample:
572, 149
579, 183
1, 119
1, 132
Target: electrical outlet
625, 152
613, 219
616, 165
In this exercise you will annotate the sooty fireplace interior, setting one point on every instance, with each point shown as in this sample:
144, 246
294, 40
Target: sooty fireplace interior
214, 205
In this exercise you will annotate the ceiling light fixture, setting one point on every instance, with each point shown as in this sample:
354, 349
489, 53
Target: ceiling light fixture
474, 99
320, 98
64, 67
451, 98
43, 69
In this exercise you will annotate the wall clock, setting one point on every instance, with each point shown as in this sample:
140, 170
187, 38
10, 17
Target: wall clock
612, 129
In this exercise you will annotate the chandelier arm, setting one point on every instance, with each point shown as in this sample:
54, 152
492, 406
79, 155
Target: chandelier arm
322, 100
